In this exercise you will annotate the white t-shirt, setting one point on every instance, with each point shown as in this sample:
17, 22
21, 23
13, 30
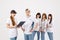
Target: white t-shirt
44, 25
39, 24
50, 28
28, 25
13, 31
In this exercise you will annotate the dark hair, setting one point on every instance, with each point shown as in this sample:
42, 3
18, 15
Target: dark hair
45, 15
13, 11
38, 14
26, 9
12, 19
51, 18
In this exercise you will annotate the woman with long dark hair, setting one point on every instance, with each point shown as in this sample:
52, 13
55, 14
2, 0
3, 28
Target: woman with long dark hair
49, 27
11, 25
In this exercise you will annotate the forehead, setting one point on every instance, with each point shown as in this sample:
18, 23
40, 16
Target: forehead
44, 15
49, 16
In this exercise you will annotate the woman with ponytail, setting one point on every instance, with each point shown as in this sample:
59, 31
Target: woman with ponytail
11, 25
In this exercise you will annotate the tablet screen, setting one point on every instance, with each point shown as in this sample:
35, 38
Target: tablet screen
20, 24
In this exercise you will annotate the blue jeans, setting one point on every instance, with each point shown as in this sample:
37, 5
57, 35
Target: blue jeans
15, 38
42, 35
50, 35
38, 34
28, 37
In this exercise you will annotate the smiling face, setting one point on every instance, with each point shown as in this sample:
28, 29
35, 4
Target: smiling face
49, 17
38, 16
13, 13
44, 16
27, 12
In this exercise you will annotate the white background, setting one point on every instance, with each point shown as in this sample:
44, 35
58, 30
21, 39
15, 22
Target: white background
47, 6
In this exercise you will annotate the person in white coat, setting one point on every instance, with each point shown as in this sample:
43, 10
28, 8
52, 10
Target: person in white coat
50, 27
43, 26
11, 25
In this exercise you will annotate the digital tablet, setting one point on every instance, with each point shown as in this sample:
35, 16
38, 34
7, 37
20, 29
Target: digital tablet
20, 24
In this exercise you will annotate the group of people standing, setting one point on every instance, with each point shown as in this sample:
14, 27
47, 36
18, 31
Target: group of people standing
39, 24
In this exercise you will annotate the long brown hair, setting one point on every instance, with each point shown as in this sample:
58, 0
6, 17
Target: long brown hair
43, 15
12, 18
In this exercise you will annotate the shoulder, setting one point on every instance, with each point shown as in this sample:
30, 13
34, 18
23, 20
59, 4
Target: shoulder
32, 18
